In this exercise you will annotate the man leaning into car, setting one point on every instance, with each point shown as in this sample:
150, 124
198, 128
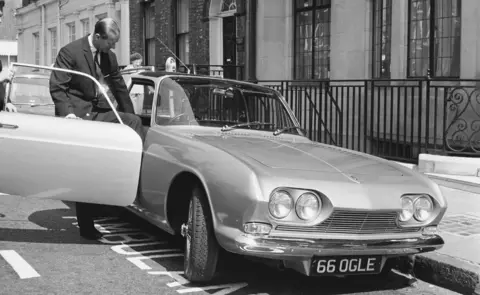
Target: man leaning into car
77, 97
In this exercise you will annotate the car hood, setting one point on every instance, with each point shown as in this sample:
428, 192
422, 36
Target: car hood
303, 155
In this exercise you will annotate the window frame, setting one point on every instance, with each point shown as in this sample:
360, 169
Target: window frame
313, 9
36, 46
377, 64
431, 42
53, 49
184, 34
72, 31
85, 26
147, 38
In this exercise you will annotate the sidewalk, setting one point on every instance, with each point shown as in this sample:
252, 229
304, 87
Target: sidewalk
457, 265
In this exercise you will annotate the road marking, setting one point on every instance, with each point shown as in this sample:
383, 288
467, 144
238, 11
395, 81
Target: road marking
142, 265
226, 288
180, 281
126, 241
21, 267
120, 249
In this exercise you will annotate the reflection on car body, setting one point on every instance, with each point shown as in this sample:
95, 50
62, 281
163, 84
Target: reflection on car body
227, 166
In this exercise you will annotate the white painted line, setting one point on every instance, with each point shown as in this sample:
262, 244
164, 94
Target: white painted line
174, 284
23, 269
226, 289
140, 264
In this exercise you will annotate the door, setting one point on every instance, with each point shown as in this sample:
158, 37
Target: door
68, 159
229, 48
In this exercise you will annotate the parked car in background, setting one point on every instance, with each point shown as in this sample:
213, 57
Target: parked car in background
29, 92
226, 165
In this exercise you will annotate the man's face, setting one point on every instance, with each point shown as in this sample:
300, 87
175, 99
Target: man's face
137, 63
104, 45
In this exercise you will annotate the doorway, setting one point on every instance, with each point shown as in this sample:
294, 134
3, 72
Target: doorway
229, 47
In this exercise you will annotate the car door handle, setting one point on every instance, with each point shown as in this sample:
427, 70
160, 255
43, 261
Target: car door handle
8, 126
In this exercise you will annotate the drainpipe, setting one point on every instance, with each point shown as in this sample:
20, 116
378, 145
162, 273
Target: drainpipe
44, 36
125, 24
59, 26
251, 41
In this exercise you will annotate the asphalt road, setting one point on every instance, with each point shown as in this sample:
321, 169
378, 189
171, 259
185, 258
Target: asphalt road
41, 252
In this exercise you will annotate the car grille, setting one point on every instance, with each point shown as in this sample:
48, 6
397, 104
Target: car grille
355, 222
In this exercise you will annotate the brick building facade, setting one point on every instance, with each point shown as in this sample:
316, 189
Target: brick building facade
315, 39
174, 18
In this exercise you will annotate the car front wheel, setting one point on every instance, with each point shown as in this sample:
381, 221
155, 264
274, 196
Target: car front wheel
201, 246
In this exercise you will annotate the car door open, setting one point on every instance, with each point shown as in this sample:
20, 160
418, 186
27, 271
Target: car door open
67, 159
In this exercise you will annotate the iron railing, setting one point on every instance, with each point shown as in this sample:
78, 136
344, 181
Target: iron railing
224, 71
394, 119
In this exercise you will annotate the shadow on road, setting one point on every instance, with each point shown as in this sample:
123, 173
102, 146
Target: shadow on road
238, 269
57, 227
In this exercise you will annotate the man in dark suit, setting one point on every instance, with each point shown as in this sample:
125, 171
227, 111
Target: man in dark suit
78, 97
4, 79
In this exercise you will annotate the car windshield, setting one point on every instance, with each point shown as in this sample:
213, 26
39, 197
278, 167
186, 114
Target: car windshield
30, 90
219, 103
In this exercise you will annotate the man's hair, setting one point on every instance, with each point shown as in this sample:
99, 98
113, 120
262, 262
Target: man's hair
135, 56
107, 27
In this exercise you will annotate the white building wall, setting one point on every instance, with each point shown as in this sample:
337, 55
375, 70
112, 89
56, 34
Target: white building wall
29, 20
351, 39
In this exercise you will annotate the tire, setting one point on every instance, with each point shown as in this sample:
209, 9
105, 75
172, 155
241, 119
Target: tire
201, 246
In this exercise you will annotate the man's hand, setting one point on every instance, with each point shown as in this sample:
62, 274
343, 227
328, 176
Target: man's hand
10, 108
72, 116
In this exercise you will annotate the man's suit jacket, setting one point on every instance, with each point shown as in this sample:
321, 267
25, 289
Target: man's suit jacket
76, 94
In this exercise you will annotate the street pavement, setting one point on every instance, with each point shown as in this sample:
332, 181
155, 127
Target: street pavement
41, 252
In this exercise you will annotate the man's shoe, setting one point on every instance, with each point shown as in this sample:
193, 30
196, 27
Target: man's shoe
92, 234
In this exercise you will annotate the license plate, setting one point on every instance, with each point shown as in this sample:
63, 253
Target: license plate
346, 265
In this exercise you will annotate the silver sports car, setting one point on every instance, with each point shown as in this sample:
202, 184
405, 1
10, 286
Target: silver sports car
226, 165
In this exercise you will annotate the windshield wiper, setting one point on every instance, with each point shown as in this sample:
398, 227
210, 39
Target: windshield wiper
228, 128
282, 130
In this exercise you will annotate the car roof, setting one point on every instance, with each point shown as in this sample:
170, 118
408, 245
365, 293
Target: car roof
159, 74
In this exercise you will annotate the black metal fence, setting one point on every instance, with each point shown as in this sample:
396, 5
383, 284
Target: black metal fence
225, 71
394, 119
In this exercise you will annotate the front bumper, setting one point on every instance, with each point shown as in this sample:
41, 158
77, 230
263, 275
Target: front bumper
297, 253
284, 248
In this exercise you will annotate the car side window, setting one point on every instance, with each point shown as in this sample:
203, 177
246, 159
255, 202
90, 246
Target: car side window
142, 95
173, 105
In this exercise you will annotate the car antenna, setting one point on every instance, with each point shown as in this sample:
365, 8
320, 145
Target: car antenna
188, 70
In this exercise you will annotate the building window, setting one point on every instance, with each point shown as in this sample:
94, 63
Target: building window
53, 44
382, 36
36, 46
150, 34
85, 27
182, 30
228, 6
71, 32
437, 51
312, 39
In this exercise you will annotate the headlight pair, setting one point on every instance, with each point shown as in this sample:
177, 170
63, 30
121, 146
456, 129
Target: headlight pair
420, 208
307, 206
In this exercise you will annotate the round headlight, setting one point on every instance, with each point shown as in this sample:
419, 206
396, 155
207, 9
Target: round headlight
307, 206
423, 208
407, 209
280, 204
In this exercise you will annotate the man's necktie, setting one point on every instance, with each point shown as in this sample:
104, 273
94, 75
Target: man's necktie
98, 72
